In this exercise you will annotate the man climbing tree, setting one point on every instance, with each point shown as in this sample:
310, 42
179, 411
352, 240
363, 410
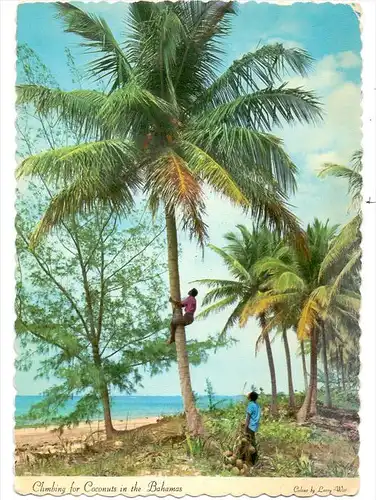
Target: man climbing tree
189, 305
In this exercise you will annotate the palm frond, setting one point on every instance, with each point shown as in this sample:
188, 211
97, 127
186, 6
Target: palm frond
352, 174
352, 264
235, 290
265, 302
267, 108
103, 188
289, 281
308, 319
262, 67
348, 239
170, 180
133, 106
62, 165
75, 108
218, 306
233, 319
205, 24
98, 37
234, 266
211, 172
349, 301
243, 148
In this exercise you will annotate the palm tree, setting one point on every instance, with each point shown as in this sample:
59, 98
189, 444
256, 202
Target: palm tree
344, 257
240, 257
305, 286
352, 174
173, 122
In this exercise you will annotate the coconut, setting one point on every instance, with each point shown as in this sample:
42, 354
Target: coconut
227, 453
239, 463
235, 471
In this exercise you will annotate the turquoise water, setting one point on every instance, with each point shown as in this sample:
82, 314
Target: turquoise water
124, 407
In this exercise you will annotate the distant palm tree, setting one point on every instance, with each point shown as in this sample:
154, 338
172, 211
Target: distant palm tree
346, 247
304, 286
352, 174
243, 252
174, 121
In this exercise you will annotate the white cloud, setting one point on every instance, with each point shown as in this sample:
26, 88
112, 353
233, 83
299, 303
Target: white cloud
349, 60
340, 131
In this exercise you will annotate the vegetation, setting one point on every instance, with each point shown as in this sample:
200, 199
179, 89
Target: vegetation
90, 296
286, 450
105, 170
171, 123
315, 294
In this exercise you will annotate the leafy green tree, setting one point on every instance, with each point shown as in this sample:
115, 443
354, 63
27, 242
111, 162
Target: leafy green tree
90, 301
173, 122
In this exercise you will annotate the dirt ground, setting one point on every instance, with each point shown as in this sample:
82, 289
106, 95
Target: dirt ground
47, 436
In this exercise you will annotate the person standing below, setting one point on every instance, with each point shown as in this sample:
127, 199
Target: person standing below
189, 305
253, 415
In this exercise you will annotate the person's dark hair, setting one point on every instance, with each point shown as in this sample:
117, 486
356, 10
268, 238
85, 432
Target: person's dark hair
252, 396
193, 292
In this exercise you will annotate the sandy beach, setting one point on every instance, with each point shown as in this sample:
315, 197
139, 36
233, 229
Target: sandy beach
45, 435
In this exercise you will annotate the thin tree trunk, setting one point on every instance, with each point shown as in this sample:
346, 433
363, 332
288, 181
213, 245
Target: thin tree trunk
194, 421
328, 398
342, 370
311, 394
313, 406
273, 406
110, 431
305, 374
105, 397
289, 370
338, 369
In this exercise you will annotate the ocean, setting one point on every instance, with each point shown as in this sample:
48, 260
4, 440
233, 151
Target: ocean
128, 407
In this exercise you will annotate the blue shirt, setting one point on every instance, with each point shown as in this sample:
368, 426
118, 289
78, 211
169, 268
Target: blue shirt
254, 410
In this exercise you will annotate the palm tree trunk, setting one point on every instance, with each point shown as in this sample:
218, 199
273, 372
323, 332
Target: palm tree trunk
338, 369
305, 374
309, 404
289, 370
273, 406
342, 370
328, 398
194, 421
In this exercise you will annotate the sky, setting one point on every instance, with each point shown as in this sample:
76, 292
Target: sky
331, 35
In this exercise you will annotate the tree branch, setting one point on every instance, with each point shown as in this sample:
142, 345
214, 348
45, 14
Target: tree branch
136, 255
48, 273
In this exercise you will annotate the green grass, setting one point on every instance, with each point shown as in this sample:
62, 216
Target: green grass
285, 450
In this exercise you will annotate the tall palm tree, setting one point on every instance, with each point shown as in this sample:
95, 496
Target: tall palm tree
173, 121
306, 287
240, 256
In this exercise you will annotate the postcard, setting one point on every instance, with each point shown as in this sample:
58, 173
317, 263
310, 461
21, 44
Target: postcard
189, 209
